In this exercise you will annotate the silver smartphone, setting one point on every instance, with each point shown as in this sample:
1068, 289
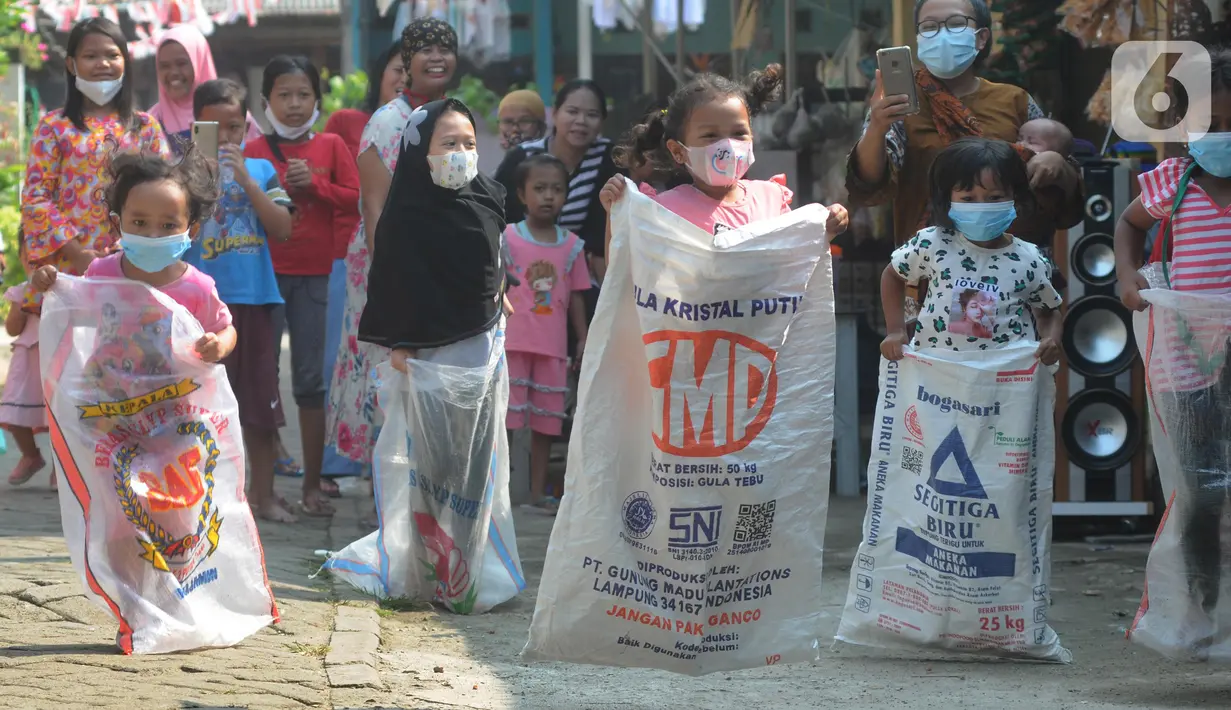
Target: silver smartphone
205, 137
898, 74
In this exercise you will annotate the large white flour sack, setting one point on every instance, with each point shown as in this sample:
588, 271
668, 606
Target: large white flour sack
691, 534
955, 540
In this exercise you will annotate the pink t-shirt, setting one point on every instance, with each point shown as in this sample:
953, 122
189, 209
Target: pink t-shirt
763, 199
16, 296
194, 291
549, 274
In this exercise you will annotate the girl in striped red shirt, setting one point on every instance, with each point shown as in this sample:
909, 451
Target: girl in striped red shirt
1193, 195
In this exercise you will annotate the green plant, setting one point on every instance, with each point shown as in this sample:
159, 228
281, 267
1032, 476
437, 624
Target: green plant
349, 91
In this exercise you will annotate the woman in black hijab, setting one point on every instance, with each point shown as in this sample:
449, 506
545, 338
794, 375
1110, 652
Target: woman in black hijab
435, 298
436, 278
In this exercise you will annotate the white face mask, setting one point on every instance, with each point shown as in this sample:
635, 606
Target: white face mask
453, 171
290, 133
100, 92
722, 163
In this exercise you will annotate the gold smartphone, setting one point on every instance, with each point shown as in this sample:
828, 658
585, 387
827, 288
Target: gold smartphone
898, 74
205, 137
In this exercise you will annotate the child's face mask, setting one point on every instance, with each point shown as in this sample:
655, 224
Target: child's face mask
721, 163
453, 171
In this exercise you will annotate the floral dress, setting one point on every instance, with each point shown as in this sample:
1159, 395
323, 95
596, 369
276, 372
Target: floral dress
353, 417
67, 176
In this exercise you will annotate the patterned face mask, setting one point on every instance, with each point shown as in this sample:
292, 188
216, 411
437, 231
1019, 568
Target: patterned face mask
453, 171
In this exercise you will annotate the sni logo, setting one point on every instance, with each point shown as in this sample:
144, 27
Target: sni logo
970, 486
715, 390
694, 532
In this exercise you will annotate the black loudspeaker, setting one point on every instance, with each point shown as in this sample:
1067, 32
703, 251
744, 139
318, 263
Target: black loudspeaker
1100, 466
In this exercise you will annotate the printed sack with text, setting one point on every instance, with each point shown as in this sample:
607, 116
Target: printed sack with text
692, 533
147, 438
441, 471
955, 540
1182, 338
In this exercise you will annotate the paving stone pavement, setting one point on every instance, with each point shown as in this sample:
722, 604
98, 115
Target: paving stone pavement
57, 650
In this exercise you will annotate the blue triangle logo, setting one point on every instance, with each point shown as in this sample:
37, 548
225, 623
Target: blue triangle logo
970, 486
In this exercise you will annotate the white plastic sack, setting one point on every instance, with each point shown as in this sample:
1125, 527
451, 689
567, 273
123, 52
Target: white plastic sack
690, 536
1182, 338
147, 439
955, 552
441, 470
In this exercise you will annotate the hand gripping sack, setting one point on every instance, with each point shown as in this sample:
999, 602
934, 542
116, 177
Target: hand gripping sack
955, 540
690, 538
1182, 338
152, 497
441, 470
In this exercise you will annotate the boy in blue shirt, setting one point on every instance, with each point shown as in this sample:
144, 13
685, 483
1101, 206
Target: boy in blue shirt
231, 247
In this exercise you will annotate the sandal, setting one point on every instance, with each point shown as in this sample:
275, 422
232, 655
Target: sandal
317, 506
288, 468
330, 488
276, 513
25, 470
545, 506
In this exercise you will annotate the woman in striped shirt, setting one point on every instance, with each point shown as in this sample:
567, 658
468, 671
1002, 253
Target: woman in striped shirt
1193, 194
580, 109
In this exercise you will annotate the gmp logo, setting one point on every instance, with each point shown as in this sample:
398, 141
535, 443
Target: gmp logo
713, 391
1141, 107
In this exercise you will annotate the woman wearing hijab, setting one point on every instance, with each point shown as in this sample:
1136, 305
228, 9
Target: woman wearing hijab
437, 292
428, 55
183, 63
522, 116
436, 297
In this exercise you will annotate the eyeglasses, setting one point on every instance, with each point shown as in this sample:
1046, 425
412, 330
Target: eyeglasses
521, 124
955, 23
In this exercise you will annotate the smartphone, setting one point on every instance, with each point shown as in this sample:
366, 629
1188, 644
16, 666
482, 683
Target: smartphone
898, 74
205, 137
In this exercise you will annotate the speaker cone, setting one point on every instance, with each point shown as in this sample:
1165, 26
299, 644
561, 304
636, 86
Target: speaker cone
1100, 429
1094, 259
1099, 208
1098, 336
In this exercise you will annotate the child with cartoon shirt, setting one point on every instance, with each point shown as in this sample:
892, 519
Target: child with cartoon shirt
550, 266
986, 288
233, 248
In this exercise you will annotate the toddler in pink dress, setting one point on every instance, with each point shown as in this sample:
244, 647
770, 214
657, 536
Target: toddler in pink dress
22, 413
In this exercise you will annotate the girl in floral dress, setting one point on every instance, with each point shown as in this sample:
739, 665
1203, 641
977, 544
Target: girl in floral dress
429, 50
64, 216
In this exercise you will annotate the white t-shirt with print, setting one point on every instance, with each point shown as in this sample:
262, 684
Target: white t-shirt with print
978, 298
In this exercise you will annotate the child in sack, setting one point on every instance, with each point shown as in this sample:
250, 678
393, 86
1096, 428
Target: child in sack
1193, 194
986, 288
155, 204
549, 264
706, 130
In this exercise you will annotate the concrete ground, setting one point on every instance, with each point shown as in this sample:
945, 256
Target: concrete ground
336, 649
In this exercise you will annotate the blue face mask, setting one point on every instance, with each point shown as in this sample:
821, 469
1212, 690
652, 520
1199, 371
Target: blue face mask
982, 221
153, 254
948, 53
1213, 153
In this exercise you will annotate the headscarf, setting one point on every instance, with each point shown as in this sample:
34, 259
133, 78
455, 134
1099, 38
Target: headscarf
439, 278
425, 32
176, 116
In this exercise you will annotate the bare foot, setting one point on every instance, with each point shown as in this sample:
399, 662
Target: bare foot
274, 512
315, 504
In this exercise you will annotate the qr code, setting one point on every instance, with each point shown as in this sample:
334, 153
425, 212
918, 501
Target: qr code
912, 460
755, 522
